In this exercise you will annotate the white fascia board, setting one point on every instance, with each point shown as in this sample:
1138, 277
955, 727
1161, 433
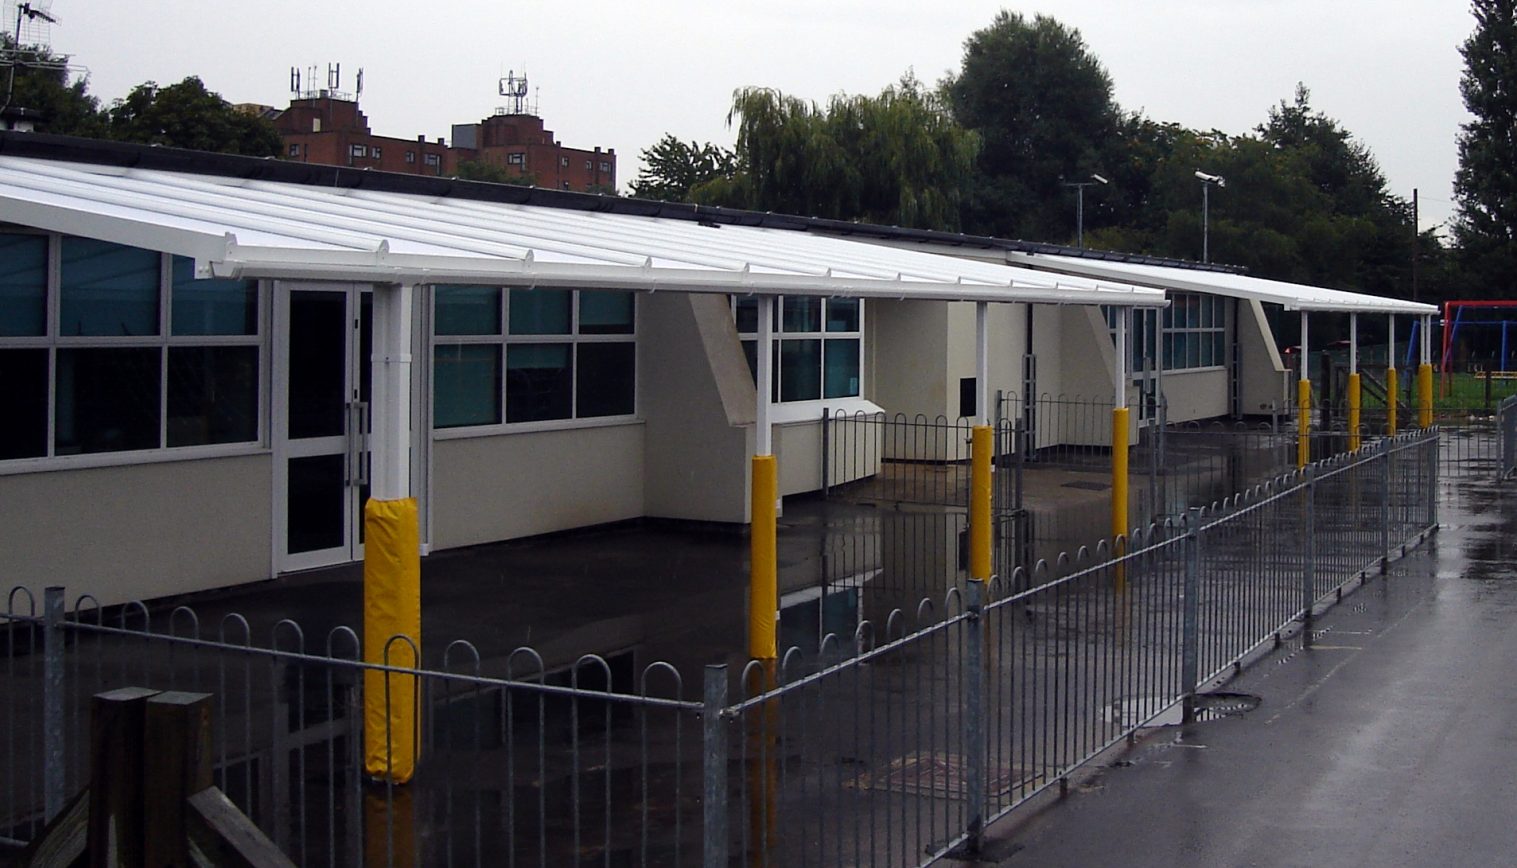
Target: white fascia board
196, 244
284, 264
1293, 297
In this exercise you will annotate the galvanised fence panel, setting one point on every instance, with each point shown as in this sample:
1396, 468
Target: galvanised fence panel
894, 744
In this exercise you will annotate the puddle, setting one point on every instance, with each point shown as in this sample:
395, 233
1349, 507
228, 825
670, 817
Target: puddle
1132, 711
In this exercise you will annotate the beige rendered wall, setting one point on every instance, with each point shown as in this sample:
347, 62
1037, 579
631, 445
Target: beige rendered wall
1196, 394
139, 531
1263, 376
697, 398
907, 346
513, 485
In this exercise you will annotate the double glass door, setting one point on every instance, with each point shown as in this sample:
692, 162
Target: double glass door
322, 422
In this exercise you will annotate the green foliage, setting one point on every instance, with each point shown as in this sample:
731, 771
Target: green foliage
1486, 183
38, 80
479, 170
897, 158
672, 168
187, 115
1042, 105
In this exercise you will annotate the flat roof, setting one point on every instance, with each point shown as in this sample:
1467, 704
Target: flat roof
1291, 296
238, 226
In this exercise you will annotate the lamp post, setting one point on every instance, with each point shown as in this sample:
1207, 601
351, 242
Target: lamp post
1080, 204
1207, 182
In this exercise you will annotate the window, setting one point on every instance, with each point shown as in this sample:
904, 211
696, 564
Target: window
1195, 333
516, 159
817, 348
374, 152
143, 355
358, 151
605, 166
587, 165
531, 355
431, 159
294, 150
563, 162
410, 156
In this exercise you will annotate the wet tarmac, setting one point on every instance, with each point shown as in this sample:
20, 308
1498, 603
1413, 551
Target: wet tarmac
1391, 740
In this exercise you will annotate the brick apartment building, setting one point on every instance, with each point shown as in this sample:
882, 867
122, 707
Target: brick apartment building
329, 128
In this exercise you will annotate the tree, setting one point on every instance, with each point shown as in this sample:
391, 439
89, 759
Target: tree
186, 115
1485, 184
479, 170
1042, 105
897, 158
35, 78
672, 168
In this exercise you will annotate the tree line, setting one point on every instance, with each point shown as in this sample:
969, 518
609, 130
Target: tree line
997, 147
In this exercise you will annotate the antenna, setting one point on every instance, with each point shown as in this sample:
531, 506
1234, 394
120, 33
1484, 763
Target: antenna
334, 76
359, 83
295, 80
516, 89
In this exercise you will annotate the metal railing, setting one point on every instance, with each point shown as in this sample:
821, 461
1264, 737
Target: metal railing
1506, 423
893, 744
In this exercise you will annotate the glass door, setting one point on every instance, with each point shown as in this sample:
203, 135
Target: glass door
322, 424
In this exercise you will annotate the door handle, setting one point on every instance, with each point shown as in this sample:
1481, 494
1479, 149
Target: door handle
361, 442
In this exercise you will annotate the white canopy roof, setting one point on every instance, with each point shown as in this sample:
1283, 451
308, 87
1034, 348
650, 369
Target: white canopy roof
235, 227
1293, 296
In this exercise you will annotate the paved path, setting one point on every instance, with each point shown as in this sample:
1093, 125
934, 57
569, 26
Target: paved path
1391, 741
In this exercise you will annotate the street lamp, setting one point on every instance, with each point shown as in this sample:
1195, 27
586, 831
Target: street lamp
1207, 182
1080, 203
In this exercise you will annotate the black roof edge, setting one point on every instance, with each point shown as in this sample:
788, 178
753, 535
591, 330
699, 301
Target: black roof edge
129, 155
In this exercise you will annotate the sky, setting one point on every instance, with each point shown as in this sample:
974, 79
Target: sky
619, 74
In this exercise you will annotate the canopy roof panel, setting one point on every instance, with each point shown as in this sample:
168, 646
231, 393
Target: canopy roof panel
237, 227
1292, 296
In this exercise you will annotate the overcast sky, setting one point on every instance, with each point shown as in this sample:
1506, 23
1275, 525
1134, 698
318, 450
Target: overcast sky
619, 74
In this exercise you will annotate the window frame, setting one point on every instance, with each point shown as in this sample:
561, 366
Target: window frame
820, 334
164, 342
503, 339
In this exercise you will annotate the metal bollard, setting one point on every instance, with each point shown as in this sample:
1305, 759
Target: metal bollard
1190, 655
52, 701
714, 742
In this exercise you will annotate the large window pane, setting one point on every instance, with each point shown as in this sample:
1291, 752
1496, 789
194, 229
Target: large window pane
747, 315
211, 307
800, 370
605, 313
107, 399
23, 285
465, 385
842, 314
23, 394
606, 378
107, 289
467, 310
801, 314
213, 395
540, 311
539, 382
841, 377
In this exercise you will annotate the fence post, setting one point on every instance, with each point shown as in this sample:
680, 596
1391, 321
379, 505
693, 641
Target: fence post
52, 701
826, 452
1385, 505
1309, 553
1190, 656
714, 742
974, 715
1434, 468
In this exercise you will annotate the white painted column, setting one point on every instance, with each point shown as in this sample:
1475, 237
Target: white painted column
1353, 343
982, 363
763, 440
390, 446
1124, 317
1390, 357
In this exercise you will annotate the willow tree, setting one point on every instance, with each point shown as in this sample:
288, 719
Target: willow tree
896, 158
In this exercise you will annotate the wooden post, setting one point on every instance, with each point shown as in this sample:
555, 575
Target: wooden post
177, 764
116, 762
